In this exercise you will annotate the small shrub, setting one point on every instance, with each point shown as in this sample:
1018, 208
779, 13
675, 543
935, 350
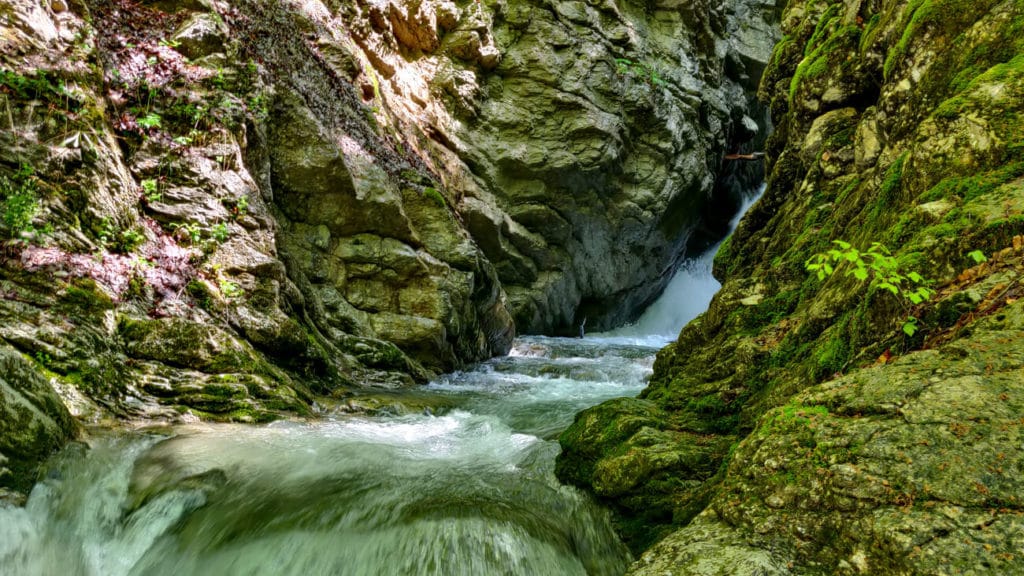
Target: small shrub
151, 190
877, 266
149, 121
639, 70
230, 290
221, 233
20, 206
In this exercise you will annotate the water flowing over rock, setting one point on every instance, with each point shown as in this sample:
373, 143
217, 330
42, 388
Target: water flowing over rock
226, 210
796, 427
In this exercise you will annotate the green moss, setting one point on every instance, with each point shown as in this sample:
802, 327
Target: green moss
435, 195
831, 357
871, 29
770, 310
833, 52
942, 17
792, 417
827, 22
83, 295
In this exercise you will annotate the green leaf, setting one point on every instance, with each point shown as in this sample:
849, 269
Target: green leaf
978, 256
829, 269
889, 287
852, 256
915, 277
879, 248
915, 297
910, 326
842, 244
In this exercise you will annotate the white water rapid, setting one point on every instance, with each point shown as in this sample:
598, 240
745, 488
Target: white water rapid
464, 488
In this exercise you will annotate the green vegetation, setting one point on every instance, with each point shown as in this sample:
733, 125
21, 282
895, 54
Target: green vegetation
834, 52
149, 121
435, 195
877, 264
116, 240
19, 201
638, 70
230, 290
151, 191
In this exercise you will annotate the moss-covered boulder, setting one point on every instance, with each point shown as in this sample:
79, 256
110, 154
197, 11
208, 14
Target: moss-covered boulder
34, 423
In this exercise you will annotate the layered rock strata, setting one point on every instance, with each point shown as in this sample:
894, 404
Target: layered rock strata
238, 211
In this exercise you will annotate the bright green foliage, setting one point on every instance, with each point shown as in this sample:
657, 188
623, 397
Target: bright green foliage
151, 120
627, 67
877, 265
978, 256
230, 289
192, 231
221, 233
19, 201
149, 188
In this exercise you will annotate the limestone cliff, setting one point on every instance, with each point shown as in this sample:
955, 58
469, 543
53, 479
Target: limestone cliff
242, 210
796, 427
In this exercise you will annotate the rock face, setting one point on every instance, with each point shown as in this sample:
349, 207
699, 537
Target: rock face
795, 427
599, 137
223, 211
34, 421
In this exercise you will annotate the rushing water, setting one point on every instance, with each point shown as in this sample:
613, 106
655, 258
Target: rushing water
469, 490
464, 488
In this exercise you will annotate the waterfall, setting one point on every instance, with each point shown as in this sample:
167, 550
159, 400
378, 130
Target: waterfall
685, 297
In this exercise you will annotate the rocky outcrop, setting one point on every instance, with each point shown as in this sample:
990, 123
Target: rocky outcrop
219, 210
33, 421
597, 142
796, 426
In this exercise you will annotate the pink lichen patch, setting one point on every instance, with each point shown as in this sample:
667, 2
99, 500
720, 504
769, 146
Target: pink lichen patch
160, 263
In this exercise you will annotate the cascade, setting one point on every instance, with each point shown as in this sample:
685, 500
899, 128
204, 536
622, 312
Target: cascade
454, 479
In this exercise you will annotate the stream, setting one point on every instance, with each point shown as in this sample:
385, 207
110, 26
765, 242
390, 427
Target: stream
461, 484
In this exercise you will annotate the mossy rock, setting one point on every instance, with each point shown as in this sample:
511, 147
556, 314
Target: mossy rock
34, 423
187, 344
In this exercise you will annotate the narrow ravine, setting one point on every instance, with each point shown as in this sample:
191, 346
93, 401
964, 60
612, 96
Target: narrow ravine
457, 480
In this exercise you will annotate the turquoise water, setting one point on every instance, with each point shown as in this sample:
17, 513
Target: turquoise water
465, 490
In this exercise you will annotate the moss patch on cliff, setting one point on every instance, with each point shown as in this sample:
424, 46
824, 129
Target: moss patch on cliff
900, 126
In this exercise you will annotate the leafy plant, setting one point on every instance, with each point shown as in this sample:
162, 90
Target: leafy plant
639, 70
129, 240
238, 207
877, 266
19, 200
221, 233
230, 289
978, 256
192, 231
151, 120
151, 191
106, 232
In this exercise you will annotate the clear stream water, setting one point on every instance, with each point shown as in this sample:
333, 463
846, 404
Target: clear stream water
467, 489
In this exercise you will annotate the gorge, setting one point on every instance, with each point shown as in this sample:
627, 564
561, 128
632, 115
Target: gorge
336, 216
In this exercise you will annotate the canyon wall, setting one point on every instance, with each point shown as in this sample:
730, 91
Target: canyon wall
849, 423
248, 210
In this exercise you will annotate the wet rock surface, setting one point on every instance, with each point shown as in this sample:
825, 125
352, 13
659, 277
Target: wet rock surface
224, 211
842, 428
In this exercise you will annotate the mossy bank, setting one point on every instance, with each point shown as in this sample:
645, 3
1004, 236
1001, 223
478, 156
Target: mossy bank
795, 427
